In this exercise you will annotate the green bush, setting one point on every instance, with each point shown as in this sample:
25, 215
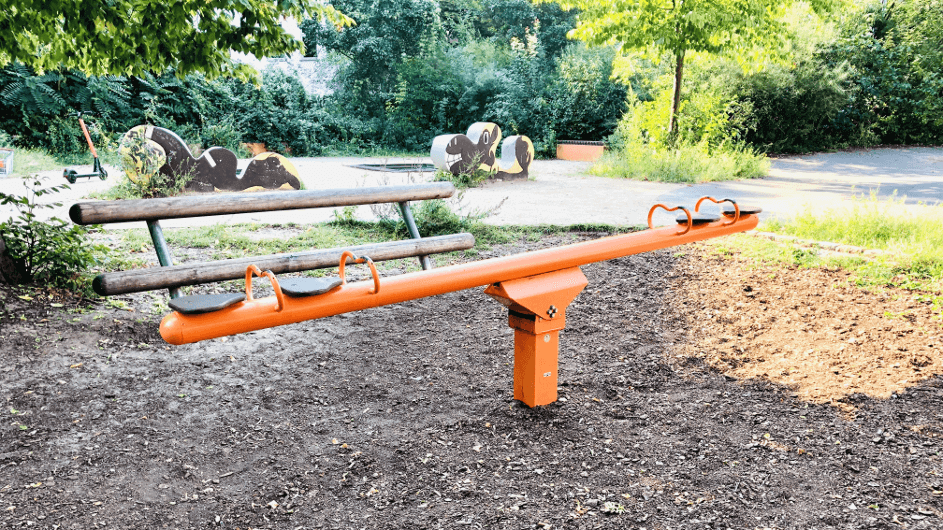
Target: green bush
424, 105
64, 136
54, 253
880, 82
436, 218
894, 53
805, 107
586, 102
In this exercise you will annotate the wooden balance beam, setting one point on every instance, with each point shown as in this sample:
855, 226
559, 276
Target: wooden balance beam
172, 277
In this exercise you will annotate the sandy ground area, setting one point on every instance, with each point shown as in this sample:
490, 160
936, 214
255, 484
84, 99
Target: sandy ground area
562, 192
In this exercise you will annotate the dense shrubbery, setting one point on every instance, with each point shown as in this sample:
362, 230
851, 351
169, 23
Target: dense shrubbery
879, 82
54, 252
412, 70
874, 76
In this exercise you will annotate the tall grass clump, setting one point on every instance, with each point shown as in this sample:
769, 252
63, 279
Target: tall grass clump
911, 237
685, 163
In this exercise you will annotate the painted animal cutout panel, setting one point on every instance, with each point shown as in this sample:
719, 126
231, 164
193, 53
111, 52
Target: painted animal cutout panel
216, 168
269, 171
517, 152
457, 153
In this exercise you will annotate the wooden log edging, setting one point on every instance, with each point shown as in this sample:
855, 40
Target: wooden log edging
838, 248
99, 212
139, 280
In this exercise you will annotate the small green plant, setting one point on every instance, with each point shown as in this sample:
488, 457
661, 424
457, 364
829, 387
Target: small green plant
159, 185
471, 178
612, 508
345, 216
53, 252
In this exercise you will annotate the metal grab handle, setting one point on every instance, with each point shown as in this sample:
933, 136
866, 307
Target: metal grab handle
676, 208
361, 259
251, 271
736, 209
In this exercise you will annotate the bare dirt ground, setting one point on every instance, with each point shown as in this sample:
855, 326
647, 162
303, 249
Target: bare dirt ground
689, 399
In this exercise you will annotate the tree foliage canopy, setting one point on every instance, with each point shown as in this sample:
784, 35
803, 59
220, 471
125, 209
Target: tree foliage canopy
131, 37
681, 25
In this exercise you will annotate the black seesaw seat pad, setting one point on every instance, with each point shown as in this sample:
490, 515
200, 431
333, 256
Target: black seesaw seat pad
205, 303
744, 210
698, 218
298, 287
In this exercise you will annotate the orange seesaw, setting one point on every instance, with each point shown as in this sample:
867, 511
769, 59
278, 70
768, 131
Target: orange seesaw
536, 287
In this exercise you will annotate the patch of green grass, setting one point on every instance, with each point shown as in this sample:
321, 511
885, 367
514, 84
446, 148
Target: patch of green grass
31, 161
868, 272
911, 238
872, 223
684, 164
231, 241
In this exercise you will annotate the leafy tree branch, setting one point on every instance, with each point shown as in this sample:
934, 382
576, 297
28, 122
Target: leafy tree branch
132, 37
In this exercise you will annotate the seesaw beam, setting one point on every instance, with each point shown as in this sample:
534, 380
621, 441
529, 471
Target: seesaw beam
262, 313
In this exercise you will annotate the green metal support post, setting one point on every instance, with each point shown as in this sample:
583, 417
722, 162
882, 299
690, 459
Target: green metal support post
163, 251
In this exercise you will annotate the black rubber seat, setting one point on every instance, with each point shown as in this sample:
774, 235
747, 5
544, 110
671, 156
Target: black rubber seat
728, 210
698, 218
298, 287
205, 303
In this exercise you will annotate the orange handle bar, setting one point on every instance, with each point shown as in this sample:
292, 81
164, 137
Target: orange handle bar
251, 271
361, 259
253, 315
736, 209
662, 206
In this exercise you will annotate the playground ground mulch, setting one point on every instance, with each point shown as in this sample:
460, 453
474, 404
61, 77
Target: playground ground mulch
689, 399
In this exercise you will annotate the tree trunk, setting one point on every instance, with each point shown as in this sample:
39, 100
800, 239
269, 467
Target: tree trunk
676, 101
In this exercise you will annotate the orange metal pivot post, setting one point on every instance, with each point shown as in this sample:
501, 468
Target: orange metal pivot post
537, 312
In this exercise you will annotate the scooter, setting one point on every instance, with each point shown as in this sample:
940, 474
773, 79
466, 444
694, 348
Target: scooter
97, 170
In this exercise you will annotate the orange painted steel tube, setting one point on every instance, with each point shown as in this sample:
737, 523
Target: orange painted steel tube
262, 313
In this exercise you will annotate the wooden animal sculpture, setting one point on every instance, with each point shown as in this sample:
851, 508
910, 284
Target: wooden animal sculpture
215, 166
265, 171
454, 153
517, 152
214, 170
485, 136
458, 153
